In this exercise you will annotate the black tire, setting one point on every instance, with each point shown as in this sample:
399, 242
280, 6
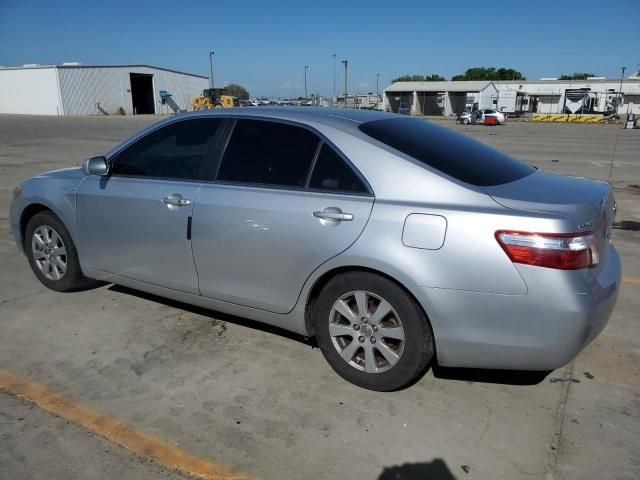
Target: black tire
72, 278
418, 347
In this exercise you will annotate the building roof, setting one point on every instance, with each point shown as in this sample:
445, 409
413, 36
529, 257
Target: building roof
558, 82
446, 86
32, 66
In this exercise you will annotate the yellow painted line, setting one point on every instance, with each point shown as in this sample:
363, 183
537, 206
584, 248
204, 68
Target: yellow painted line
634, 280
116, 431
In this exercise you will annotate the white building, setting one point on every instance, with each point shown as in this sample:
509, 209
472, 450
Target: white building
595, 95
75, 89
369, 101
439, 98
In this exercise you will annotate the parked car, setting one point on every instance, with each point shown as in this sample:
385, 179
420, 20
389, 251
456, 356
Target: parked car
478, 116
396, 242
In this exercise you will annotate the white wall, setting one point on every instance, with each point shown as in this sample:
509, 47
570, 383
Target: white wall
550, 104
487, 96
83, 88
30, 90
552, 93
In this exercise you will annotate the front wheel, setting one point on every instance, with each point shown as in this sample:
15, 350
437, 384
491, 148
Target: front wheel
372, 332
51, 253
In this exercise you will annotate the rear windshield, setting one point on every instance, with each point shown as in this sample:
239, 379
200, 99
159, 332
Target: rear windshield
447, 151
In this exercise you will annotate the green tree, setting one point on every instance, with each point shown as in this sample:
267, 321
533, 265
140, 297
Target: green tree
489, 73
419, 78
237, 91
577, 76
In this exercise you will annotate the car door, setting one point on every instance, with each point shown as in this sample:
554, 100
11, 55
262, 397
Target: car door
283, 202
135, 222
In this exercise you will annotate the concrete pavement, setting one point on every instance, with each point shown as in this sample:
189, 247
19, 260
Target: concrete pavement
265, 401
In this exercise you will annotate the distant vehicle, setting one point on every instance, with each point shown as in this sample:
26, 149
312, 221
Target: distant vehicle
478, 116
394, 241
214, 98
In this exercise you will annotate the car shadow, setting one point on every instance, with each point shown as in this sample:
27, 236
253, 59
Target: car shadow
503, 377
206, 312
628, 225
435, 470
484, 375
88, 284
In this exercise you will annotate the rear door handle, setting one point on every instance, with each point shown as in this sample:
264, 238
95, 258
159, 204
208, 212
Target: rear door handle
333, 215
176, 200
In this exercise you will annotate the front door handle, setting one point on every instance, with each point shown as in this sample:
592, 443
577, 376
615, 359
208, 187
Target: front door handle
334, 214
176, 200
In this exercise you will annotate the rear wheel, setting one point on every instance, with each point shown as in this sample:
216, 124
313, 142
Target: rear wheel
51, 253
371, 332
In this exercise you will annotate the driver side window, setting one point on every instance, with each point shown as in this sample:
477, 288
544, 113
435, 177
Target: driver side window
176, 151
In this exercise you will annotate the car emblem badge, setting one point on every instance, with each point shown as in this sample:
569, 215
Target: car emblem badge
585, 225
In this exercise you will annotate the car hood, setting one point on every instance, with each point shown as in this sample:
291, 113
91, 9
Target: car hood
73, 173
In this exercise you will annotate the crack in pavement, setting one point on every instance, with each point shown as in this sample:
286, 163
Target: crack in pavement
554, 448
22, 297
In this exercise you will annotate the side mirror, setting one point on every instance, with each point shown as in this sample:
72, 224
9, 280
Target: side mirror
95, 166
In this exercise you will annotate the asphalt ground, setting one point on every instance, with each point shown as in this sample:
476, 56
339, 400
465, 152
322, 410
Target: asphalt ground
186, 389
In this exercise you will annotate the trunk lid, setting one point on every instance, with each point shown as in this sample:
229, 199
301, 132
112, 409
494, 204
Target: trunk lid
588, 203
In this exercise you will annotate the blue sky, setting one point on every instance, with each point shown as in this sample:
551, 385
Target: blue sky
265, 45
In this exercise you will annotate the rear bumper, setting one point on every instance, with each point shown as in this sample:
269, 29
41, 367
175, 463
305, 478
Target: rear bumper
541, 330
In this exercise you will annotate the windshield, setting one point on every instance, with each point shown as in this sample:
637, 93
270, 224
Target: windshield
447, 151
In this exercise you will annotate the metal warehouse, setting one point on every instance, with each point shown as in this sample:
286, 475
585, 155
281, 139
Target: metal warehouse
438, 98
550, 96
75, 89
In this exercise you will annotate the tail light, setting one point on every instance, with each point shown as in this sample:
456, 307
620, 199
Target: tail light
564, 251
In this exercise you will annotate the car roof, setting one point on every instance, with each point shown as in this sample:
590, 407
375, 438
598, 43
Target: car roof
337, 117
345, 119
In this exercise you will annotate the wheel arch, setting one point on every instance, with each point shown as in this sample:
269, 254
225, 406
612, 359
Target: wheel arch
28, 213
323, 279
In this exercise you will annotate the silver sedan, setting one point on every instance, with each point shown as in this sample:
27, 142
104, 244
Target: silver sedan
397, 243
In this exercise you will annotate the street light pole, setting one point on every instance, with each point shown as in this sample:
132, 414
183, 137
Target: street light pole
345, 62
211, 66
334, 74
620, 89
377, 83
306, 67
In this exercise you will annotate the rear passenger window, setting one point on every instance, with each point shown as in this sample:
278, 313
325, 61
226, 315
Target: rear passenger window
451, 153
331, 172
176, 151
270, 153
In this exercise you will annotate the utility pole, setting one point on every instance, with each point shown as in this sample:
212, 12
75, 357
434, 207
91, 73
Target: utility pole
620, 89
211, 66
345, 62
377, 82
334, 75
306, 67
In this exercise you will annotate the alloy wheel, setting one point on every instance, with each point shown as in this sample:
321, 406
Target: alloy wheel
366, 331
49, 252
